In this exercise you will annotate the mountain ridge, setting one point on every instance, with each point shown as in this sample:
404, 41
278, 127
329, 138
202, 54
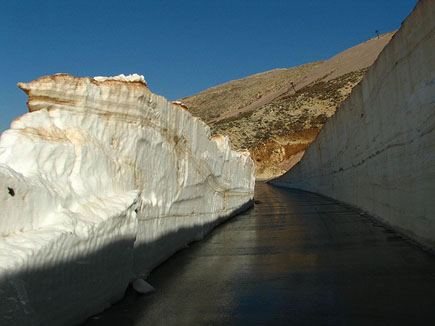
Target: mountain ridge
278, 113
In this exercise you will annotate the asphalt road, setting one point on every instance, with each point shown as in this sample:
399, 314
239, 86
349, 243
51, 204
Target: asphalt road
294, 259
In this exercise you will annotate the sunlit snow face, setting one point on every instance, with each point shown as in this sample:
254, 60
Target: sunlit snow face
18, 197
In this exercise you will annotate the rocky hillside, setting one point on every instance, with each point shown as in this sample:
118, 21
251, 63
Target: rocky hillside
227, 98
277, 114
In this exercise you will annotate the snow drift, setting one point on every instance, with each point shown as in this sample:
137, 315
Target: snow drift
102, 181
377, 151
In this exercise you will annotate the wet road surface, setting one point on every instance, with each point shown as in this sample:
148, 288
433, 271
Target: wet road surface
295, 258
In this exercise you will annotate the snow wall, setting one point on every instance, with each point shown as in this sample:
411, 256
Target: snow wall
101, 182
378, 151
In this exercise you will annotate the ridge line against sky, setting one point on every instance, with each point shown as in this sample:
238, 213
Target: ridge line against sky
181, 47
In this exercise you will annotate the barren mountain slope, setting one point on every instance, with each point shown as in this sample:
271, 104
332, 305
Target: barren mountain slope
228, 97
285, 127
280, 124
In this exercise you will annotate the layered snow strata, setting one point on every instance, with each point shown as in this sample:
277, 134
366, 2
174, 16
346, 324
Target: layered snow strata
101, 182
378, 151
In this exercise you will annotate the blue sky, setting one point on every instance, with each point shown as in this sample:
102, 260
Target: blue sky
181, 47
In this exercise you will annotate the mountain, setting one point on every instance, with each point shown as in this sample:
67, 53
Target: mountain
377, 152
277, 114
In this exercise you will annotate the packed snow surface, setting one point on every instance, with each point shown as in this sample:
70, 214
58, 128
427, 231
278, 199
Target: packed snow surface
122, 77
102, 181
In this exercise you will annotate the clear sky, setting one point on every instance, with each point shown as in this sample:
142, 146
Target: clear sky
181, 47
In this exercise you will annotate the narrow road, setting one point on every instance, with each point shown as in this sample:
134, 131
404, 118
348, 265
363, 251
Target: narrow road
294, 259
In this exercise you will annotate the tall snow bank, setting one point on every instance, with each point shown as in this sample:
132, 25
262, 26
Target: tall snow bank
103, 180
378, 151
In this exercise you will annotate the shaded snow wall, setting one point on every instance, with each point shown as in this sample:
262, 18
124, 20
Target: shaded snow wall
378, 151
100, 182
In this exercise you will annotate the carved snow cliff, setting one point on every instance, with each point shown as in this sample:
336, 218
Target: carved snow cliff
102, 181
378, 151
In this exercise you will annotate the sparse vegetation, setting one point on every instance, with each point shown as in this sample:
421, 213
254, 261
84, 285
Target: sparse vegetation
242, 92
277, 114
309, 108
